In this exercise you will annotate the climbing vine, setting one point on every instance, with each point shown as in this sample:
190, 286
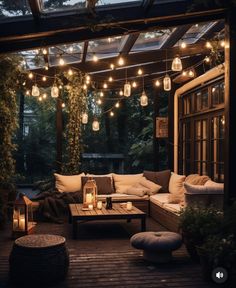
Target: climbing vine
76, 105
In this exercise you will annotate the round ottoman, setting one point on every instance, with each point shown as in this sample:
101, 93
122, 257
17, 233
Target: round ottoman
38, 259
157, 246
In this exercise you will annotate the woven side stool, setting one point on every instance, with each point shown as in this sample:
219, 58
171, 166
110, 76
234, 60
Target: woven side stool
38, 259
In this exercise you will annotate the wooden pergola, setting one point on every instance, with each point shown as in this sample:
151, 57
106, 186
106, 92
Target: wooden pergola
45, 28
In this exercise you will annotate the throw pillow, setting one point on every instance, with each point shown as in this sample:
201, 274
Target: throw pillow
196, 179
104, 184
176, 188
123, 182
68, 183
161, 178
137, 190
152, 188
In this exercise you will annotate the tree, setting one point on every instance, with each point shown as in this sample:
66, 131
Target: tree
15, 7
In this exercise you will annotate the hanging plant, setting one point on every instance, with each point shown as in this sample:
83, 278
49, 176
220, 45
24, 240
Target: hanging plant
76, 106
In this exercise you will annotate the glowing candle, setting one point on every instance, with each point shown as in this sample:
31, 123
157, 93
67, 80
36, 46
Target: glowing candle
129, 206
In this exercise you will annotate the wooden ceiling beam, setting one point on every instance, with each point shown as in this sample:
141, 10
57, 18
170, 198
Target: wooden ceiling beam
36, 9
176, 36
85, 50
69, 27
128, 43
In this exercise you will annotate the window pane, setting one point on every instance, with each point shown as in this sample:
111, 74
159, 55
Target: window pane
215, 90
222, 93
204, 99
204, 150
198, 130
11, 8
198, 101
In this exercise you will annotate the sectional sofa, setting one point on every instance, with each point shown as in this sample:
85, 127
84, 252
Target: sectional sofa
161, 194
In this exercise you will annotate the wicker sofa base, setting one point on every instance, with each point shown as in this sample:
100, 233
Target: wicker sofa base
166, 218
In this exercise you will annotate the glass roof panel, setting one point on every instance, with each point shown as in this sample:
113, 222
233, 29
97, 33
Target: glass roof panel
33, 59
151, 40
49, 5
104, 48
9, 8
196, 32
70, 53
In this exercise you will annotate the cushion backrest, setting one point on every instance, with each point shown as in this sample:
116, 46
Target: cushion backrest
161, 178
68, 183
123, 181
104, 184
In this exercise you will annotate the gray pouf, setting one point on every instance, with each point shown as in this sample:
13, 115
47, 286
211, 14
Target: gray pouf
157, 246
38, 259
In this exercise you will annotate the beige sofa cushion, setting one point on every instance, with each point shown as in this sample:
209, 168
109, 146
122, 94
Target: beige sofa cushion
160, 199
123, 197
152, 188
176, 188
65, 183
123, 182
196, 179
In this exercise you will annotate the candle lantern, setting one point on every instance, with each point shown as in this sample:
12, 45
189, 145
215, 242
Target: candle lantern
23, 223
90, 193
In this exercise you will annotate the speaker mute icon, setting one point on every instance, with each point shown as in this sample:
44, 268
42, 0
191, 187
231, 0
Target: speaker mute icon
219, 275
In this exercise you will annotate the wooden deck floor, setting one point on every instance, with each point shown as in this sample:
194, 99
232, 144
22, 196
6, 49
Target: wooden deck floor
102, 257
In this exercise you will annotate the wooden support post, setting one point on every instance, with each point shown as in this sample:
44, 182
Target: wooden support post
155, 139
59, 134
230, 107
170, 144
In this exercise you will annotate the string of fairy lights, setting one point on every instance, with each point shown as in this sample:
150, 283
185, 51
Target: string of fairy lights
129, 84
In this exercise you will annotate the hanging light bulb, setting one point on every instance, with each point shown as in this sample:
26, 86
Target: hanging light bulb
84, 118
183, 45
134, 84
101, 94
40, 98
85, 87
24, 83
70, 72
143, 99
46, 67
95, 125
191, 73
157, 83
112, 66
184, 73
45, 51
35, 91
88, 78
71, 49
111, 113
127, 89
99, 102
27, 93
117, 105
110, 79
95, 58
140, 71
167, 83
207, 59
105, 86
54, 91
121, 61
61, 61
121, 93
31, 75
208, 45
44, 78
44, 95
63, 105
176, 64
222, 43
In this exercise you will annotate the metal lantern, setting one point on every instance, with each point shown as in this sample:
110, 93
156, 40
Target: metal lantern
90, 193
54, 91
95, 125
22, 223
167, 83
144, 99
35, 91
176, 64
127, 89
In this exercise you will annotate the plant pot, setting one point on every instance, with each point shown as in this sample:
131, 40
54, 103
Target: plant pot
206, 265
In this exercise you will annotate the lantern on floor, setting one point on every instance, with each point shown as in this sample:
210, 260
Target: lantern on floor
90, 193
22, 223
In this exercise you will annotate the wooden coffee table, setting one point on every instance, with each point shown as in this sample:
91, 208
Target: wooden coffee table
117, 212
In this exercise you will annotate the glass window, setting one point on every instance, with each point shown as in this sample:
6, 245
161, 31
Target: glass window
14, 8
215, 89
204, 100
221, 93
198, 100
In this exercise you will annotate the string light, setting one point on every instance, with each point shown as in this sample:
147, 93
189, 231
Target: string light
105, 86
60, 87
112, 66
95, 58
27, 93
70, 72
121, 93
117, 105
183, 45
88, 78
85, 87
140, 71
99, 102
24, 83
208, 45
44, 95
184, 73
111, 113
84, 118
222, 43
121, 61
191, 73
31, 75
71, 49
207, 59
63, 105
45, 51
110, 79
134, 84
61, 61
157, 83
101, 94
40, 98
176, 64
44, 78
46, 67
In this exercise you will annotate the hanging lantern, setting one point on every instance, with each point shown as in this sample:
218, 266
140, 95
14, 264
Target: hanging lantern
23, 223
54, 91
90, 194
84, 118
176, 64
143, 99
167, 83
95, 125
35, 90
127, 89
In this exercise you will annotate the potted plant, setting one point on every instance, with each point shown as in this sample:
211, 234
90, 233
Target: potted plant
196, 224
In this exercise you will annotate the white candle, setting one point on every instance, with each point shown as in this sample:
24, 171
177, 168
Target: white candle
89, 197
22, 224
90, 206
99, 205
129, 206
